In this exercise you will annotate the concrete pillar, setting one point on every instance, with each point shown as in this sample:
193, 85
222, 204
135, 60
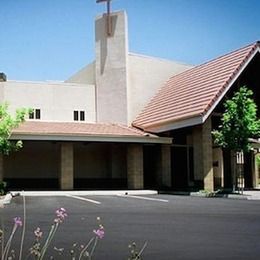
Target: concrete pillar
203, 163
135, 173
166, 165
111, 69
1, 167
66, 167
256, 171
218, 167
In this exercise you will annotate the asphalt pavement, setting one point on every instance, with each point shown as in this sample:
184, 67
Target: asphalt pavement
174, 227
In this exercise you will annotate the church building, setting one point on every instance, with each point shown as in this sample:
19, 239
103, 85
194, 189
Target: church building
128, 121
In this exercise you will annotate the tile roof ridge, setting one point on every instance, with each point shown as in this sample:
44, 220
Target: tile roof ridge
254, 46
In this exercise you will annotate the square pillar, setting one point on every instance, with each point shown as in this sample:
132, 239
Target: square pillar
66, 167
135, 173
203, 155
256, 171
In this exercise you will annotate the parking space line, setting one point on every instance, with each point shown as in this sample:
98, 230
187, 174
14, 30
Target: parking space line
142, 198
80, 198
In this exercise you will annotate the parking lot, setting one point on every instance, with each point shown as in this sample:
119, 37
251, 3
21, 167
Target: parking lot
175, 227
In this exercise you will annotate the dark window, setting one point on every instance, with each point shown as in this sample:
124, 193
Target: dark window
76, 115
79, 115
31, 114
35, 114
82, 115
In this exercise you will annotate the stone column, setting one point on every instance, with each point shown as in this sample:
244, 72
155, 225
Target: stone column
203, 163
256, 172
67, 167
135, 173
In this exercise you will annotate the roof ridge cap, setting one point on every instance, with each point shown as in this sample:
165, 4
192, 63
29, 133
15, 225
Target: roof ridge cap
255, 44
229, 53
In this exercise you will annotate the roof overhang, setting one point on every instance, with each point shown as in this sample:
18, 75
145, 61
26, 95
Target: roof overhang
84, 132
172, 125
91, 138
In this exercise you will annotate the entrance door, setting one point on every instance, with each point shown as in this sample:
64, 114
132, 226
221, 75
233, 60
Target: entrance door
182, 167
150, 159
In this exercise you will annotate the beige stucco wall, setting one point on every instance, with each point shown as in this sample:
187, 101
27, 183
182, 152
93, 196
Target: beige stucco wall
86, 75
146, 76
57, 101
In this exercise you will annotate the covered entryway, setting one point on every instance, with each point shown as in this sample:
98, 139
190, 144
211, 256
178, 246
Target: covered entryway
36, 166
70, 156
100, 165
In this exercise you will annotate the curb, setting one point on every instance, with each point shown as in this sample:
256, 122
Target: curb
6, 200
85, 193
225, 196
208, 195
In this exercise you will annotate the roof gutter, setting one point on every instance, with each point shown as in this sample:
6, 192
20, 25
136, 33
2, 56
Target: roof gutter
92, 138
172, 125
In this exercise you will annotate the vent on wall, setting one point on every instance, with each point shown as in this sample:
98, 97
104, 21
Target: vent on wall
2, 77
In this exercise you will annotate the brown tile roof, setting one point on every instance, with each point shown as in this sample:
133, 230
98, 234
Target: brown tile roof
194, 92
39, 130
68, 128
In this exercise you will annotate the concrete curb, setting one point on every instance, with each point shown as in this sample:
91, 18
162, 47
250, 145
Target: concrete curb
9, 196
86, 193
208, 195
6, 200
225, 196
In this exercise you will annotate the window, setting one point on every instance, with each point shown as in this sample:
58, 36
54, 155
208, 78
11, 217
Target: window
76, 115
79, 115
35, 114
82, 116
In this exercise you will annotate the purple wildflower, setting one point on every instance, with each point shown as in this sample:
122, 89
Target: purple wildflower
38, 233
100, 233
18, 221
60, 215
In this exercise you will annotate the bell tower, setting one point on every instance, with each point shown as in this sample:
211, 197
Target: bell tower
111, 47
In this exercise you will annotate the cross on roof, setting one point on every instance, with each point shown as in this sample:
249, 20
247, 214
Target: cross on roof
108, 15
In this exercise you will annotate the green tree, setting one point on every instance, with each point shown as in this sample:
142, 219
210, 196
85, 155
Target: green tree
7, 124
239, 122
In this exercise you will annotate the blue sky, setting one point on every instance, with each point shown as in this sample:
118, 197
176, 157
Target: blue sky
52, 39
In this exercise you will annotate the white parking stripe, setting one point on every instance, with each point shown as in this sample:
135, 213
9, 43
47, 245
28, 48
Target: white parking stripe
142, 198
80, 198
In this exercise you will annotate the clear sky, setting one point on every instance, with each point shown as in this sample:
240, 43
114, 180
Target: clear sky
52, 39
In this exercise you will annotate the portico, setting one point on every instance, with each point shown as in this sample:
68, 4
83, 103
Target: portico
90, 159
